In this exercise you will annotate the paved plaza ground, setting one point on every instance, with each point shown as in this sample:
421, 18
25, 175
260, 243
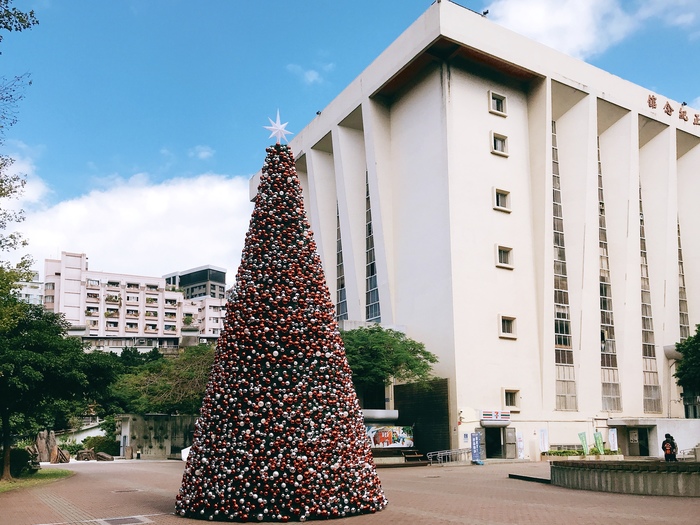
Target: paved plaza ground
139, 492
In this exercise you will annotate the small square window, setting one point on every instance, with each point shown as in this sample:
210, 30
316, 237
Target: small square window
501, 200
504, 257
511, 399
497, 104
507, 327
499, 144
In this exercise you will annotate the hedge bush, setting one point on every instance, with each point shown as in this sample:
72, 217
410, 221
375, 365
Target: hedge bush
102, 444
19, 462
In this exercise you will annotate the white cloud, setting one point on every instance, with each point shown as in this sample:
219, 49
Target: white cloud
308, 76
140, 228
201, 152
584, 29
580, 29
35, 189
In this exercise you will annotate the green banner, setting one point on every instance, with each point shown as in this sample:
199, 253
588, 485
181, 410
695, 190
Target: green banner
599, 442
584, 442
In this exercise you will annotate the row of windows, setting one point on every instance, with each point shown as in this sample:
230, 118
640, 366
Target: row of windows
95, 283
507, 325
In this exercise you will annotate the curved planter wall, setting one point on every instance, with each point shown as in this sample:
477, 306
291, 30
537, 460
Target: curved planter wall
647, 478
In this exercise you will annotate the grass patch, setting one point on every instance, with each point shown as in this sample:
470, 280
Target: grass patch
42, 477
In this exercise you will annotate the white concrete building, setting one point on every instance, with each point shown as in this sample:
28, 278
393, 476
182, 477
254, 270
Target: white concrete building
32, 292
113, 310
495, 197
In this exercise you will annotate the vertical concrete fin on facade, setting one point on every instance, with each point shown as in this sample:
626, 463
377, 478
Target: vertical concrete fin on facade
613, 141
688, 191
577, 139
351, 165
376, 116
322, 212
540, 194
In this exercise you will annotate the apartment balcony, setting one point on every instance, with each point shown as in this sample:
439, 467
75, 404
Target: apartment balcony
112, 286
92, 313
170, 304
113, 299
131, 328
170, 329
112, 314
152, 315
169, 351
90, 299
132, 315
112, 328
151, 329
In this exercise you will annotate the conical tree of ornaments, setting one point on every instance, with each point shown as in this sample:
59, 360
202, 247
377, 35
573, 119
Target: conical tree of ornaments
281, 435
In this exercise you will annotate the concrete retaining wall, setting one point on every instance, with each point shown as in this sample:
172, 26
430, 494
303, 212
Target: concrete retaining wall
629, 477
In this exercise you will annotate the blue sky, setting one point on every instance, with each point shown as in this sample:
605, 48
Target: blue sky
145, 118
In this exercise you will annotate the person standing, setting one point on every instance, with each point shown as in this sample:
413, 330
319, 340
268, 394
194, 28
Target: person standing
670, 448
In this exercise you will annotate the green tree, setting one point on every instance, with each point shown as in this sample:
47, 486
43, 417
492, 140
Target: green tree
132, 359
11, 184
44, 374
12, 19
688, 368
377, 355
174, 385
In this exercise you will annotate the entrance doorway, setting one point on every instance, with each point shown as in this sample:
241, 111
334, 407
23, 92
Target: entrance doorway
494, 442
638, 441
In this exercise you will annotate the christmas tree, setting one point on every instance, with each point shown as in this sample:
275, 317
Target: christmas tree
280, 435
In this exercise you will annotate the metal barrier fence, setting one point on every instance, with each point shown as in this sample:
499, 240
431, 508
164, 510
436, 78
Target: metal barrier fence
449, 456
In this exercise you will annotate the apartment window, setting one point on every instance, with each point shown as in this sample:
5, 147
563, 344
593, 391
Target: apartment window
48, 298
497, 104
501, 200
511, 400
499, 144
504, 257
507, 327
48, 286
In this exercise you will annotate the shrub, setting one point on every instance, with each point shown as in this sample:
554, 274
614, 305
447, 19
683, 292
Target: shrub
19, 462
563, 453
102, 444
71, 447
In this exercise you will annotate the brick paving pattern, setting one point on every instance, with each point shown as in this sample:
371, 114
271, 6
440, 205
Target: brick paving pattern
143, 492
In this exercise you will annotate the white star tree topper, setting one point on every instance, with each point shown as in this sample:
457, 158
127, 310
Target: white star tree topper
278, 129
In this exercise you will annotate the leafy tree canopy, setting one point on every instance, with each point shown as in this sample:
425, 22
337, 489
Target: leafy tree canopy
376, 355
174, 385
688, 368
11, 184
12, 19
44, 375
